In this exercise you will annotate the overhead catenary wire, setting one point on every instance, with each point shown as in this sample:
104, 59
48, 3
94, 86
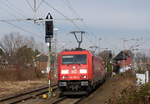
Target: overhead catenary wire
8, 12
21, 28
69, 5
16, 26
9, 21
29, 4
71, 8
17, 10
38, 6
49, 5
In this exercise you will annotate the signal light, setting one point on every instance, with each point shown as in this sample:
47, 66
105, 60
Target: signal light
83, 77
49, 28
65, 71
83, 71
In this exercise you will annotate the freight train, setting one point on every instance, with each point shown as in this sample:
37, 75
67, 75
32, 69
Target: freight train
79, 71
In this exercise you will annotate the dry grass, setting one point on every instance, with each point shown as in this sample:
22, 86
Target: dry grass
132, 94
19, 74
9, 87
14, 79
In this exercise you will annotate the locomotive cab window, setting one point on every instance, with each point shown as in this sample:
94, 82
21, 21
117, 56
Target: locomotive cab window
74, 59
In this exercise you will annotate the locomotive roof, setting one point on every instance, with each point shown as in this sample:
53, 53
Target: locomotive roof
76, 51
83, 51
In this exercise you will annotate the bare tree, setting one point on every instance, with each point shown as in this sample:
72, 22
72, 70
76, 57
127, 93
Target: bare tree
11, 42
106, 56
16, 47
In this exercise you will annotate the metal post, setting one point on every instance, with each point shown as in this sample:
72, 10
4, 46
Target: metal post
124, 49
100, 44
49, 66
34, 11
147, 76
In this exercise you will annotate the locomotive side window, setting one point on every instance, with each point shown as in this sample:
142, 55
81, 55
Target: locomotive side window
74, 59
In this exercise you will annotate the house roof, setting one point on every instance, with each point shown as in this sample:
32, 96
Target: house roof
123, 55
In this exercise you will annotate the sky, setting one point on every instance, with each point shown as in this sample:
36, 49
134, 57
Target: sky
106, 22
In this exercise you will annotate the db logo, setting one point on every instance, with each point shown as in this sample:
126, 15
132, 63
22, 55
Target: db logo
74, 71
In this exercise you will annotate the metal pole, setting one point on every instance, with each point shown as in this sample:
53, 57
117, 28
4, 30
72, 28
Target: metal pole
124, 49
49, 66
34, 11
34, 8
100, 44
147, 76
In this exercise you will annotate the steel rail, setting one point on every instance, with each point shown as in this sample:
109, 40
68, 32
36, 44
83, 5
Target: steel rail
16, 98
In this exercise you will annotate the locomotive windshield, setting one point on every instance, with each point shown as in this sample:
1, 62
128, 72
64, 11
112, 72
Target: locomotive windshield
74, 59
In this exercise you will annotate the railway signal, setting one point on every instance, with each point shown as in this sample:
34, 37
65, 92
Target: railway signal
48, 38
49, 29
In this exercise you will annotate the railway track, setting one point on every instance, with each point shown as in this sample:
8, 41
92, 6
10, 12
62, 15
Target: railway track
26, 95
66, 100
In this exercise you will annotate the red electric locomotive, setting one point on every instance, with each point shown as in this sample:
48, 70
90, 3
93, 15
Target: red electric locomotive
79, 71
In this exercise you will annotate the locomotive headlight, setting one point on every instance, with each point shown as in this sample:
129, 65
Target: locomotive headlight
64, 71
83, 71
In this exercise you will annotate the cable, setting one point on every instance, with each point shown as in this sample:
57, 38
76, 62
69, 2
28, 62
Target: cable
29, 4
9, 12
39, 4
19, 11
21, 28
62, 14
74, 11
7, 21
71, 8
76, 14
35, 8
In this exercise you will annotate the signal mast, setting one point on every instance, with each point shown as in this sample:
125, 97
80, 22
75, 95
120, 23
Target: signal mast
49, 30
